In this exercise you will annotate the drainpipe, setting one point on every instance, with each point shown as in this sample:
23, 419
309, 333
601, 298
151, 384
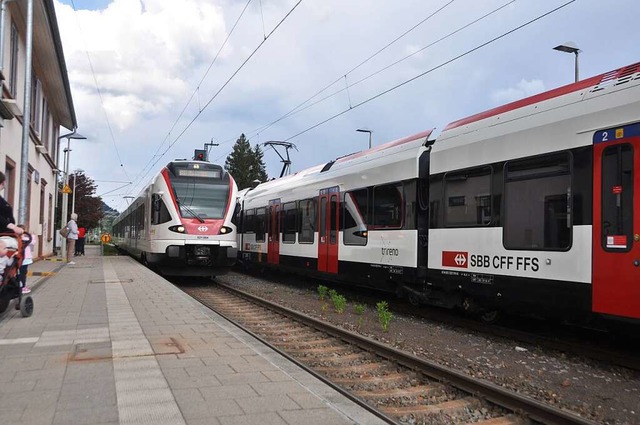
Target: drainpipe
26, 119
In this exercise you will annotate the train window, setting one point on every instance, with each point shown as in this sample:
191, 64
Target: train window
307, 211
354, 225
259, 226
289, 225
206, 199
159, 211
617, 198
468, 197
387, 205
249, 222
333, 220
537, 201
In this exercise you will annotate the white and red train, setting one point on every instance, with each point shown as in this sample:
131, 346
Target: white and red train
532, 207
181, 223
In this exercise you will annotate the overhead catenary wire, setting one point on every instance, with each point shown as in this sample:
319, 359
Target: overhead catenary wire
298, 108
337, 80
159, 157
430, 70
195, 91
95, 81
373, 74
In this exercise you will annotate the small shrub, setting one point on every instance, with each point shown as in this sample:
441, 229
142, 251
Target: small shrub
384, 315
359, 309
339, 302
322, 292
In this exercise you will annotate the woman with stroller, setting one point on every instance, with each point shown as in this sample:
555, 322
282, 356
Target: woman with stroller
7, 222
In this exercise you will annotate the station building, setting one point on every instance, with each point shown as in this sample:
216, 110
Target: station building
47, 95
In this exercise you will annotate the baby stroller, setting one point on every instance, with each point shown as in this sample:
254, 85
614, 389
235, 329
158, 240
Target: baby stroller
10, 283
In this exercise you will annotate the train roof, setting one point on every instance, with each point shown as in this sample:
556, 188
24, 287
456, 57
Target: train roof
340, 164
581, 90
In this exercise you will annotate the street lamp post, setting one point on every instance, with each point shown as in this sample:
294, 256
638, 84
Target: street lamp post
65, 195
570, 47
73, 196
362, 130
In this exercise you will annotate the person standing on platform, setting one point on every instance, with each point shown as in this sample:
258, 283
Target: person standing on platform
7, 222
28, 259
80, 244
72, 237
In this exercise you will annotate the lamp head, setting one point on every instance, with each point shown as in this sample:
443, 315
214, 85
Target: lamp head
568, 47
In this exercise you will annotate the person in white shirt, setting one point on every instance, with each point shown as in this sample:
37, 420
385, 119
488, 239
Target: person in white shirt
72, 237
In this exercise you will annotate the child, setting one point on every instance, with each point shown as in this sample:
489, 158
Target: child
28, 259
4, 259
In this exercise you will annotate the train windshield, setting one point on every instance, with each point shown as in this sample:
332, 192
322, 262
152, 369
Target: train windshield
201, 199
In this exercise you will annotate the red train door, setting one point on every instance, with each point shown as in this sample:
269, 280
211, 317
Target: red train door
616, 221
328, 225
273, 232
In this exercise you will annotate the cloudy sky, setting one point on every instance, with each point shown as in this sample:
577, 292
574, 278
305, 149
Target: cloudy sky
152, 80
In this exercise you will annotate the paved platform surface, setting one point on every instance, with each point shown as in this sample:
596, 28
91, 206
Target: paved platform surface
110, 342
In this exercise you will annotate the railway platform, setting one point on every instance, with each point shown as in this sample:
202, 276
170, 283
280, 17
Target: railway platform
110, 342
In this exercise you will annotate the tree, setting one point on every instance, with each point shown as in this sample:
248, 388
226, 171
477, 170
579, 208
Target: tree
88, 207
245, 164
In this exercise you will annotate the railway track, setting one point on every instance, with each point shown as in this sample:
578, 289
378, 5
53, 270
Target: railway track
396, 386
580, 342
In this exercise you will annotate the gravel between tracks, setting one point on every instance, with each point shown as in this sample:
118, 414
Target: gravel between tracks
606, 394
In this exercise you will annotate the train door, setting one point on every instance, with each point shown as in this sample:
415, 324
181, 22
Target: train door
328, 225
273, 231
616, 221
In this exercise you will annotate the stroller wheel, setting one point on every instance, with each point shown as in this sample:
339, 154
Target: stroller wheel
26, 306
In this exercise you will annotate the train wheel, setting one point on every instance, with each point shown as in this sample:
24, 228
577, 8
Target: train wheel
414, 300
26, 306
490, 316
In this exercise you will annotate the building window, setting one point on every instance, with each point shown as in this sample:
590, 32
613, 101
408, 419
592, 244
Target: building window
36, 94
10, 178
13, 76
468, 197
538, 203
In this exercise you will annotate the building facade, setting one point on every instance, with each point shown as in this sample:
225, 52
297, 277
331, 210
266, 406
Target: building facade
48, 95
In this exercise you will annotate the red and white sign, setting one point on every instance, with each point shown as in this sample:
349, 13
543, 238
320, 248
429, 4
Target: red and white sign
617, 241
455, 259
616, 190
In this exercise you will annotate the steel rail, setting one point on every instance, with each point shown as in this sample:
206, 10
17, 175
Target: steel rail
518, 403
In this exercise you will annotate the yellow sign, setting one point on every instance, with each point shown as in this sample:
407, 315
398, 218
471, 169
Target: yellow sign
105, 238
66, 189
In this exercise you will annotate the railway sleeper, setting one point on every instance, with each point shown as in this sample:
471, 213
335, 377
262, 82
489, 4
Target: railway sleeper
418, 391
392, 378
357, 368
459, 406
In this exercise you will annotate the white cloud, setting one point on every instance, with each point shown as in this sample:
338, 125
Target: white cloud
524, 88
150, 55
142, 53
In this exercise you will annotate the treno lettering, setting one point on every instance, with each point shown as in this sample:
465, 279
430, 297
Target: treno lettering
390, 251
505, 262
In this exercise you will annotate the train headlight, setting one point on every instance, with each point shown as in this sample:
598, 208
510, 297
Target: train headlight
178, 229
224, 230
